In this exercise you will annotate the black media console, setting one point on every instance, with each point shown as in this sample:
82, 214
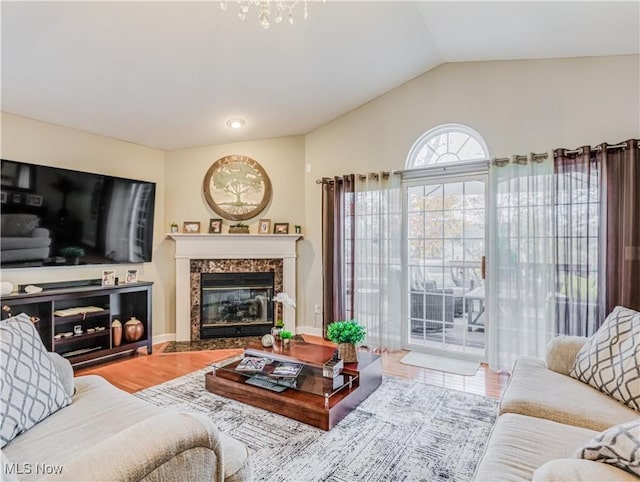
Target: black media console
84, 336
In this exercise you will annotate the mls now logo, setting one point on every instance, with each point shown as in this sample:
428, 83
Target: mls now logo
28, 469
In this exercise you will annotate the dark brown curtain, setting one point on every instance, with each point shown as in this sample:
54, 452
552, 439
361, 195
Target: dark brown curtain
577, 221
337, 248
621, 182
597, 210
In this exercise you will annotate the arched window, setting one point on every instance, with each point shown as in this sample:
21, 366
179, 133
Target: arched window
445, 144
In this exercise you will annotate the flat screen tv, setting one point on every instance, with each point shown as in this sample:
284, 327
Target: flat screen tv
46, 212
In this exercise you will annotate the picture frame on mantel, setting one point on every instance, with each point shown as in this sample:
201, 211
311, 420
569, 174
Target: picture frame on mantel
281, 228
191, 227
264, 226
215, 226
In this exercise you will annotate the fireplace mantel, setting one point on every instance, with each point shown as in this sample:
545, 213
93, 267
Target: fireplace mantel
230, 246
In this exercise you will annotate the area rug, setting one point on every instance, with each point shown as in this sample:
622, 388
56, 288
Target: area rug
441, 363
404, 431
213, 344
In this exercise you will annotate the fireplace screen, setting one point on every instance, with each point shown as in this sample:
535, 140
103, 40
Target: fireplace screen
236, 304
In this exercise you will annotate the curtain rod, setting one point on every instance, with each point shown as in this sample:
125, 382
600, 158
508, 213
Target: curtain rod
497, 161
599, 148
446, 168
372, 175
520, 159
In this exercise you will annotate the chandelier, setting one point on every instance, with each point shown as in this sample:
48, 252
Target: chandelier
267, 9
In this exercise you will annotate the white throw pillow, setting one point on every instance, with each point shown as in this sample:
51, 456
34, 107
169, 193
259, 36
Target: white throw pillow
31, 389
618, 446
610, 360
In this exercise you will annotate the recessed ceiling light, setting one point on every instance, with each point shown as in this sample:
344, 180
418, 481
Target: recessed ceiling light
235, 123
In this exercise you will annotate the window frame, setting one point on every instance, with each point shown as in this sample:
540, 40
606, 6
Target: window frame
438, 131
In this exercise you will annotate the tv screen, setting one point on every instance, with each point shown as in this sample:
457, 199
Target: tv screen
56, 217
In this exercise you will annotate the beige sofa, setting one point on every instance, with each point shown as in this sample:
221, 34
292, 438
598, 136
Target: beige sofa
545, 416
108, 434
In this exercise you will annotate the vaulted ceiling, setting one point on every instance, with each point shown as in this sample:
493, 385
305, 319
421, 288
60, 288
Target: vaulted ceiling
170, 74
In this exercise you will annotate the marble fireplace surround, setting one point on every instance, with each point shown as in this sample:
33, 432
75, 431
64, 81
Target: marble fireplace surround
225, 253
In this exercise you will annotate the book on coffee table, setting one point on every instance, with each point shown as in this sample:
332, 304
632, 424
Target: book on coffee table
287, 370
252, 364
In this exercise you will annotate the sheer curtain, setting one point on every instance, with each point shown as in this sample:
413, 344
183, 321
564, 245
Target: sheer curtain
377, 258
578, 247
337, 249
597, 234
520, 282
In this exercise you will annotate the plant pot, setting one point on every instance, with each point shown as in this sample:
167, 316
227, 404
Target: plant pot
286, 342
347, 352
133, 329
73, 260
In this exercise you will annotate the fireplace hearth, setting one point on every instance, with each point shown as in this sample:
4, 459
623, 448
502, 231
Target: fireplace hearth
236, 304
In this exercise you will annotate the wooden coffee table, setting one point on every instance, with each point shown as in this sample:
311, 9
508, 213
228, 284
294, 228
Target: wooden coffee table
314, 400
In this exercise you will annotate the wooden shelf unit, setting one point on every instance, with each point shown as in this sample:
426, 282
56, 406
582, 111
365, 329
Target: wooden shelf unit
118, 302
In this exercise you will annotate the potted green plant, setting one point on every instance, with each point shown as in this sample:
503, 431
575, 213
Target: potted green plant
346, 334
286, 336
72, 254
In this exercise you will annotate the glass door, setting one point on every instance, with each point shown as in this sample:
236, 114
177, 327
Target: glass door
445, 228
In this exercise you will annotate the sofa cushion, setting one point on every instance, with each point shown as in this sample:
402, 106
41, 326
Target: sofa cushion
19, 224
520, 444
110, 411
536, 391
572, 470
618, 446
31, 389
562, 351
610, 360
5, 465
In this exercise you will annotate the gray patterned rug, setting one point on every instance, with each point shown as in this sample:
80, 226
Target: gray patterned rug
404, 431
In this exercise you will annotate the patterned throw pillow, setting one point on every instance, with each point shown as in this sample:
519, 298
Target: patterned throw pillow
618, 446
610, 360
31, 389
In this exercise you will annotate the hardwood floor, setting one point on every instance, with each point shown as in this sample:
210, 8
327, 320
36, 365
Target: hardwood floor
140, 371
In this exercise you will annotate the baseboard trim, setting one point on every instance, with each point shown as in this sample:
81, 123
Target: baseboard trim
165, 337
309, 330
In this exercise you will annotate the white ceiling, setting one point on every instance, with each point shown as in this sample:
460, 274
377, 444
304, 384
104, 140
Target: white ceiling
169, 74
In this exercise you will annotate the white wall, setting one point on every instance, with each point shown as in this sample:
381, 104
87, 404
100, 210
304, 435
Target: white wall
38, 142
283, 161
517, 106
